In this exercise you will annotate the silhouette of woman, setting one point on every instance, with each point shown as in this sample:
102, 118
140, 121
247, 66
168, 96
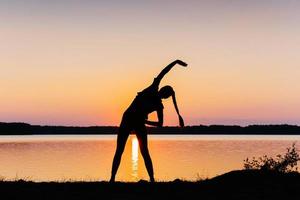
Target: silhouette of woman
136, 116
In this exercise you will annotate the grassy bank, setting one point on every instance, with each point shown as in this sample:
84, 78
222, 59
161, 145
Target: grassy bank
245, 184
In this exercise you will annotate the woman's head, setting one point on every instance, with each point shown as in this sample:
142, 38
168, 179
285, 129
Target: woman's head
166, 92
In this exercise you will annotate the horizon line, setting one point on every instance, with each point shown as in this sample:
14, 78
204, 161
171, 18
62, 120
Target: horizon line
192, 125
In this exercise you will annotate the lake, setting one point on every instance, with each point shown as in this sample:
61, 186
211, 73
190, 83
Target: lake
89, 157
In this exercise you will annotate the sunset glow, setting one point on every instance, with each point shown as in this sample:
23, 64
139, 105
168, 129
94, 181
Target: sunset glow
82, 62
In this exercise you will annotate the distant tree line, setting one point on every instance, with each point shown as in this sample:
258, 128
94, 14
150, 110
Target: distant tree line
27, 129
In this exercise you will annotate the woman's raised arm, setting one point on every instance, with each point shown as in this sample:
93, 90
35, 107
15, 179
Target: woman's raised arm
167, 69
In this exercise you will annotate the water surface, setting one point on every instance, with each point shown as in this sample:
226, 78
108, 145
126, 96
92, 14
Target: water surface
89, 157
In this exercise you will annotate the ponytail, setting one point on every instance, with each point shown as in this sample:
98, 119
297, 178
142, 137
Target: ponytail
181, 122
175, 103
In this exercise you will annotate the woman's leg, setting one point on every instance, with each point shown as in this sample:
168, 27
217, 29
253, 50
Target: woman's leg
143, 143
121, 141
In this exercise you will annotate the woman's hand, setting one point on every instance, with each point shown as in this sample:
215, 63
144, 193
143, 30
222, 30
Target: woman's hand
151, 123
181, 122
180, 62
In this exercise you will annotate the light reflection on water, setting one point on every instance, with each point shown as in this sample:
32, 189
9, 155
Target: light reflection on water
134, 157
88, 157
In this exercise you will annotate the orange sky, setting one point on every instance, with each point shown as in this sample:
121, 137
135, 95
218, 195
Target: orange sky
82, 63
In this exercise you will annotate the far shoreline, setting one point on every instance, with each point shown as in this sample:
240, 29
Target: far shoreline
28, 129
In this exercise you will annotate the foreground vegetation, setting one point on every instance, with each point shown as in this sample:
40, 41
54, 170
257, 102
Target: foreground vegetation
281, 163
243, 184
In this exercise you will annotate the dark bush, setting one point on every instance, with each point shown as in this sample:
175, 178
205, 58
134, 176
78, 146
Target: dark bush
286, 163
